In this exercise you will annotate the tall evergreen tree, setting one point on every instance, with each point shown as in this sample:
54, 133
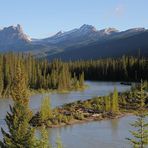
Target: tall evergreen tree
21, 134
141, 95
45, 110
107, 104
81, 79
140, 139
115, 103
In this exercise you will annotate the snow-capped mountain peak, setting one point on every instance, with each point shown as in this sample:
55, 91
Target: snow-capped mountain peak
110, 30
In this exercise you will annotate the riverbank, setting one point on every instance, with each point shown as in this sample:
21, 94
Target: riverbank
90, 119
49, 91
41, 91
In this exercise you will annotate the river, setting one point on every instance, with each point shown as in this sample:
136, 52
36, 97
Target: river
102, 134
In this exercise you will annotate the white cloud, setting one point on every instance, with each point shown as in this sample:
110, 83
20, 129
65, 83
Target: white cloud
119, 10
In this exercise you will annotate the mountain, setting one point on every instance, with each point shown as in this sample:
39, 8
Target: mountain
83, 35
115, 47
85, 42
11, 38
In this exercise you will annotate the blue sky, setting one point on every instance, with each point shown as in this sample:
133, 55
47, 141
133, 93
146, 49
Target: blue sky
42, 18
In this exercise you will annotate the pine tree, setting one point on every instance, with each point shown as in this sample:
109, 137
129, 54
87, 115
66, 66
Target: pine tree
21, 134
141, 134
75, 82
140, 95
115, 103
45, 110
107, 104
140, 139
81, 79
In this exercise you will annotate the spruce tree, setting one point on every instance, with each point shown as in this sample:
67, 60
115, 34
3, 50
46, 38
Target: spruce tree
115, 103
81, 79
140, 139
107, 104
45, 110
21, 134
141, 95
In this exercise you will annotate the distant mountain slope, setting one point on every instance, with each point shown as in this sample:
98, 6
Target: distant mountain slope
116, 47
85, 42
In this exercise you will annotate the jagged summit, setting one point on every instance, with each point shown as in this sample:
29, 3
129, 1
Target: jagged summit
88, 32
83, 29
87, 27
17, 28
13, 34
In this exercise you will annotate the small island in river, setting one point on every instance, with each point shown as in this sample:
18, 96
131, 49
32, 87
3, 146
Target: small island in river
112, 106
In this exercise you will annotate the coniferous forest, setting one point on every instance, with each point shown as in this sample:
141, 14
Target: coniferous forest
59, 75
127, 68
40, 74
